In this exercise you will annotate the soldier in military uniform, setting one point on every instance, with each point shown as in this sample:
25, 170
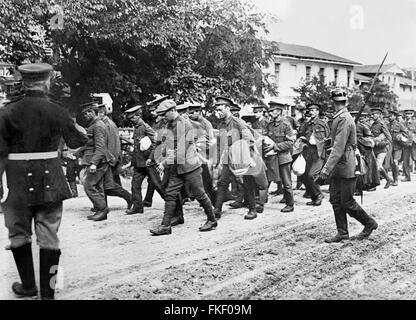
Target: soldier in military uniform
382, 138
204, 134
315, 133
140, 159
181, 152
409, 146
281, 132
261, 121
30, 132
398, 133
340, 168
231, 130
114, 149
96, 174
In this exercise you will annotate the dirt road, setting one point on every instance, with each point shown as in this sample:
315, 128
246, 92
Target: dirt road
276, 256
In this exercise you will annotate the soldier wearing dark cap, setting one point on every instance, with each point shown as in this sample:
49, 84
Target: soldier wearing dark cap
231, 130
315, 133
180, 152
281, 132
399, 134
409, 148
235, 109
30, 132
383, 140
340, 169
140, 159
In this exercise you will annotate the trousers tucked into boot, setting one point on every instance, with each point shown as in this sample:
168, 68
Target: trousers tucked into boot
24, 263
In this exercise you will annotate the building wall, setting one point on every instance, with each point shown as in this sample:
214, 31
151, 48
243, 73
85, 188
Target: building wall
404, 92
293, 71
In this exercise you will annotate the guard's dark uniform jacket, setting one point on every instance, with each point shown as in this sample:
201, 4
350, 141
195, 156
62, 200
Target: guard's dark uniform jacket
140, 131
34, 124
397, 129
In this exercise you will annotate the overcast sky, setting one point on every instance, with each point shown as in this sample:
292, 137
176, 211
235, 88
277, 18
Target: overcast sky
359, 30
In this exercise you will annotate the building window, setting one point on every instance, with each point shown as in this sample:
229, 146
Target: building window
277, 72
394, 81
388, 80
321, 74
336, 76
308, 73
348, 78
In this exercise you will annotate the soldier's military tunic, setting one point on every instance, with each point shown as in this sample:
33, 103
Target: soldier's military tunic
365, 145
281, 132
409, 149
316, 130
340, 166
232, 130
397, 130
31, 128
382, 138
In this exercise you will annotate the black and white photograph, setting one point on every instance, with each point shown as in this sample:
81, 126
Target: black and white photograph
225, 152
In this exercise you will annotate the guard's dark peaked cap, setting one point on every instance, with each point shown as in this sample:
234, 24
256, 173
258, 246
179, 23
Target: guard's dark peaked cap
223, 100
132, 111
235, 107
408, 111
35, 71
394, 112
165, 106
258, 106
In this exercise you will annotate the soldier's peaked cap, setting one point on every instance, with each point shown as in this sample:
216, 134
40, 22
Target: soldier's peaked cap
132, 111
91, 106
394, 112
35, 71
311, 106
274, 105
223, 100
183, 106
339, 95
409, 111
165, 106
156, 101
235, 107
376, 110
195, 105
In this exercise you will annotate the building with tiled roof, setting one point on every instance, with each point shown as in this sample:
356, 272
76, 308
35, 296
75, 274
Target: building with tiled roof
293, 64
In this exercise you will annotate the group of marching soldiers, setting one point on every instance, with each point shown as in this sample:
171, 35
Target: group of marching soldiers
184, 157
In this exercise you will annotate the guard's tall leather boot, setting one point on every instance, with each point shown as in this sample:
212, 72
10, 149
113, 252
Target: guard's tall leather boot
74, 190
342, 226
395, 173
24, 262
368, 222
49, 262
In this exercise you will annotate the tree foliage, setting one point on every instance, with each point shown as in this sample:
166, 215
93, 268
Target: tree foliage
134, 49
318, 91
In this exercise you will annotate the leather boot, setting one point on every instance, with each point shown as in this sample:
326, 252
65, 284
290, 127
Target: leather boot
395, 173
263, 196
49, 262
338, 238
147, 204
384, 174
74, 190
236, 205
161, 230
252, 214
24, 262
316, 202
134, 210
177, 220
287, 209
366, 231
99, 215
208, 226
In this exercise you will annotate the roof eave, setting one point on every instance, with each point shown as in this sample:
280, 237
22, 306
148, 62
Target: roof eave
352, 63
